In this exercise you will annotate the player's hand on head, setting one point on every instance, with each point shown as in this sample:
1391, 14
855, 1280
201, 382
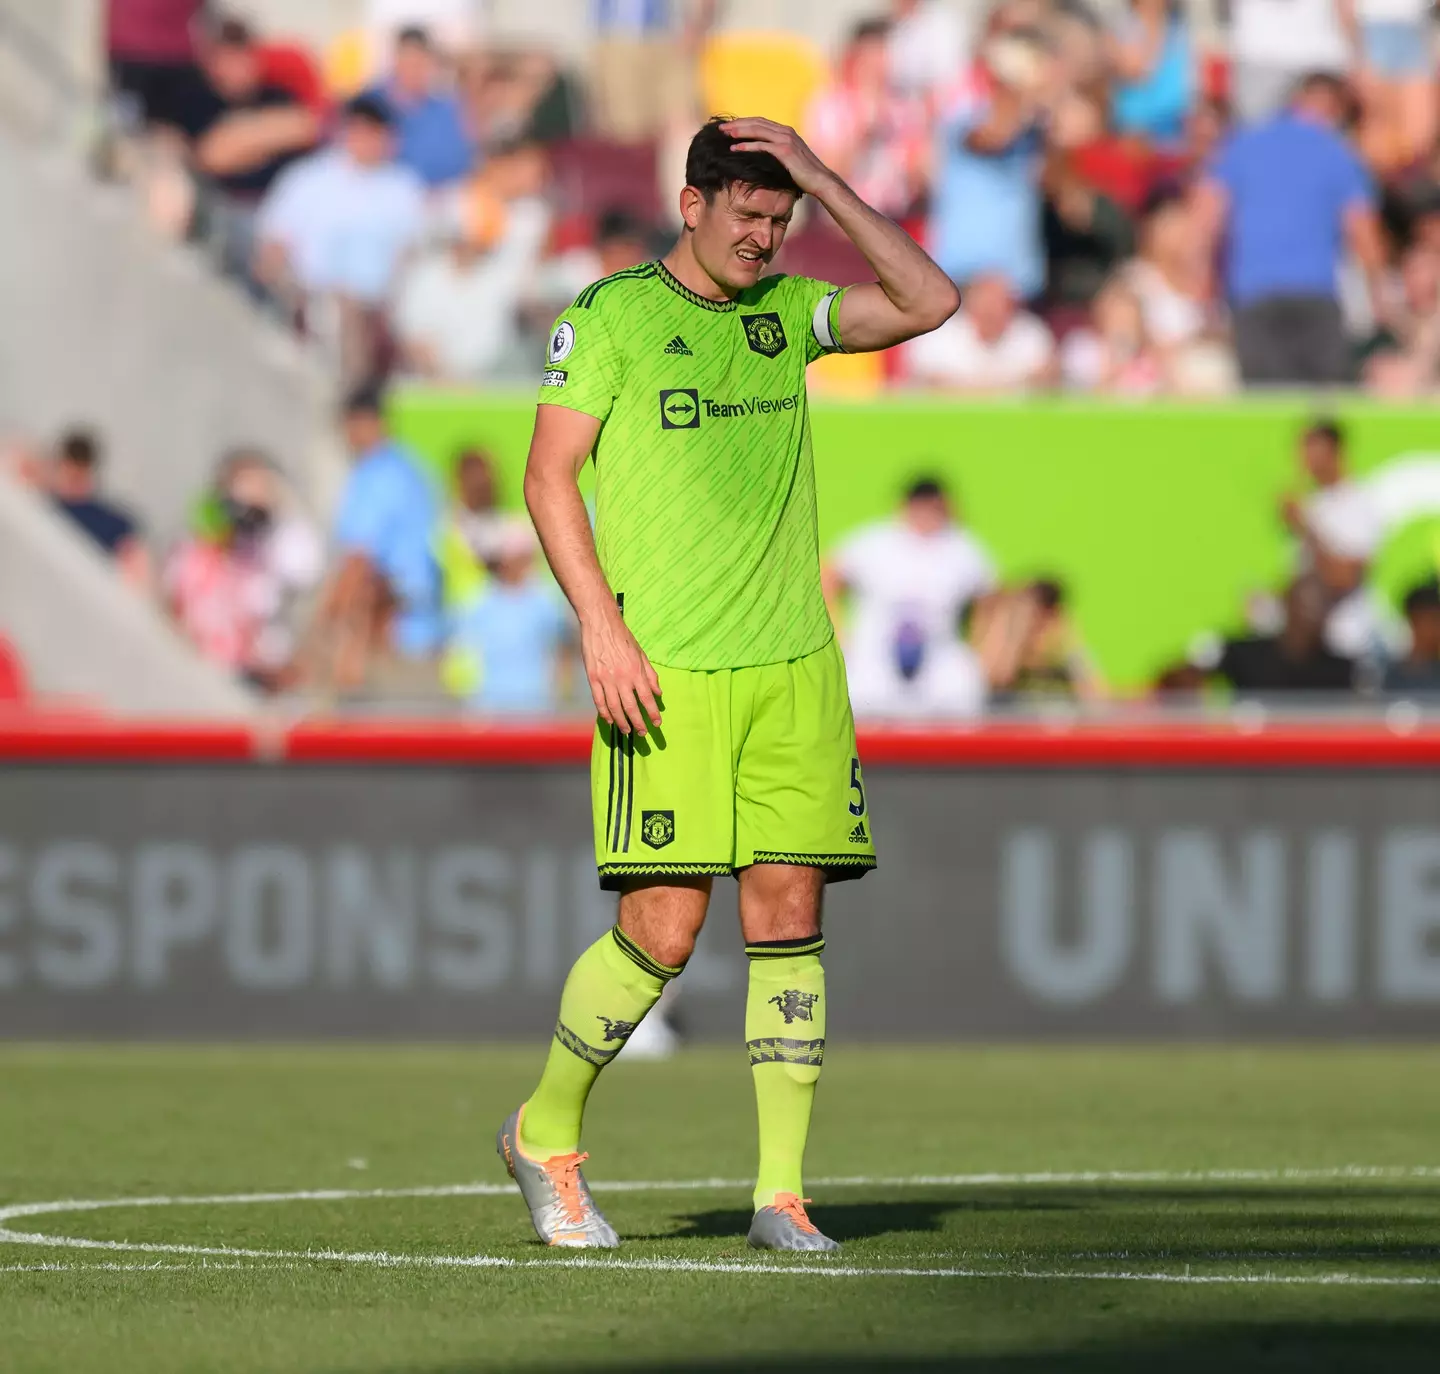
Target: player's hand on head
756, 135
623, 682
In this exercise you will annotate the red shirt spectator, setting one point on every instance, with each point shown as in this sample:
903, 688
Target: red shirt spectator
152, 30
871, 136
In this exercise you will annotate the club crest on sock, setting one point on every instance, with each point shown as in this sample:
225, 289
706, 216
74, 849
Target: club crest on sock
617, 1030
795, 1005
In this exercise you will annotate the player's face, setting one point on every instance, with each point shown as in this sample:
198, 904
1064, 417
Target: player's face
738, 233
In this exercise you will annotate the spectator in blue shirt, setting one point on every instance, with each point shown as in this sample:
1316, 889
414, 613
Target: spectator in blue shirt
1151, 54
384, 597
1290, 196
432, 137
518, 632
986, 213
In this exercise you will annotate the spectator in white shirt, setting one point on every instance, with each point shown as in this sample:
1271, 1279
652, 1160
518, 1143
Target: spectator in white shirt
344, 218
1340, 530
988, 345
1275, 42
909, 581
927, 47
457, 307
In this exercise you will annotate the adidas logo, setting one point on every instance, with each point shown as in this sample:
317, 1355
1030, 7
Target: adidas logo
677, 347
858, 835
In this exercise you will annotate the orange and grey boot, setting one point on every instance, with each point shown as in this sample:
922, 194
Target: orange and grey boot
561, 1208
785, 1226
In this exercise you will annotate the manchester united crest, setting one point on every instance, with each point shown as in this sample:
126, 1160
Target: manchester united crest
657, 828
765, 334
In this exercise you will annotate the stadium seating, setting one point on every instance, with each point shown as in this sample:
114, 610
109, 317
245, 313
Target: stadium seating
774, 74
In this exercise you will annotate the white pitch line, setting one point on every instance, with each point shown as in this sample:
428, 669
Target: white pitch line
820, 1269
1348, 1172
156, 1267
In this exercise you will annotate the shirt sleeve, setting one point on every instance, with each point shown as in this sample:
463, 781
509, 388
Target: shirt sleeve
1225, 167
584, 364
815, 307
1355, 187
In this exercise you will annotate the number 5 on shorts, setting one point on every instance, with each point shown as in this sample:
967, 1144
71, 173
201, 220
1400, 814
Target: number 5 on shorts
857, 808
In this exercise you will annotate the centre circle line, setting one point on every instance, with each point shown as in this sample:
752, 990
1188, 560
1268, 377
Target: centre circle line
810, 1269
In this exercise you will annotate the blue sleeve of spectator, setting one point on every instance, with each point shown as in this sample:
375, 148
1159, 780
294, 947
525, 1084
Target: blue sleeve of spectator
365, 511
1356, 186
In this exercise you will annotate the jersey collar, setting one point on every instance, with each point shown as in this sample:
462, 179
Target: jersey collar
694, 297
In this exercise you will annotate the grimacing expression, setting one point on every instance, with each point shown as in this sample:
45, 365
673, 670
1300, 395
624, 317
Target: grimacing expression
738, 233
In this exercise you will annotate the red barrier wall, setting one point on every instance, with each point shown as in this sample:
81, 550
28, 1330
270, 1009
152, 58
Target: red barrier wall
1048, 746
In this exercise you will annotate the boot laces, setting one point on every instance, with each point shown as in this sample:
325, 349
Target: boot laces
794, 1207
563, 1172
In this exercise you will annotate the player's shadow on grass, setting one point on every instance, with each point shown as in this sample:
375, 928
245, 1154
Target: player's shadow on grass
853, 1220
1273, 1220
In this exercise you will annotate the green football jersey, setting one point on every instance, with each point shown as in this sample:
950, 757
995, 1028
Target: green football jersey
705, 483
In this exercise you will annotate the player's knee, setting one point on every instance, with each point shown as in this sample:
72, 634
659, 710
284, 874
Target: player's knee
665, 920
780, 902
670, 947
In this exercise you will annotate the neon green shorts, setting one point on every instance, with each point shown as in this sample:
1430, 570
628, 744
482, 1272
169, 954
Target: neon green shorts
751, 765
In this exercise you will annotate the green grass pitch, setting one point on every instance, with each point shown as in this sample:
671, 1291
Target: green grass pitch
1027, 1210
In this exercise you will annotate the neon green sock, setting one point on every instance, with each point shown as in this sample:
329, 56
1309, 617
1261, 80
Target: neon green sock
613, 984
785, 1035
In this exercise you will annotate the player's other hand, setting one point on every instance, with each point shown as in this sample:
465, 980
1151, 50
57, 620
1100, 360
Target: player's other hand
622, 680
783, 143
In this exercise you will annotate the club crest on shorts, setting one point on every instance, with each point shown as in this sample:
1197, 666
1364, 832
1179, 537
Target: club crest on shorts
795, 1005
657, 828
765, 334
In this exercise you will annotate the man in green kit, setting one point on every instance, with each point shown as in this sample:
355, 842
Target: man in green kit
699, 593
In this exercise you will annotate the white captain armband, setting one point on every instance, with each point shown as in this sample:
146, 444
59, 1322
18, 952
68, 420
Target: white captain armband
820, 325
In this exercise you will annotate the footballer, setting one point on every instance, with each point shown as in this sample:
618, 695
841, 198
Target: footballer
724, 743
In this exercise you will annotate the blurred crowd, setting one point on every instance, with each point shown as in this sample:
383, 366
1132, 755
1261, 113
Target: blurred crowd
932, 631
1128, 212
411, 597
439, 599
1128, 209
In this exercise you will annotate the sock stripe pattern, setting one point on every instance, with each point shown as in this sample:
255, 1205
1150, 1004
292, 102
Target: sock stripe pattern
651, 966
786, 949
776, 1049
585, 1051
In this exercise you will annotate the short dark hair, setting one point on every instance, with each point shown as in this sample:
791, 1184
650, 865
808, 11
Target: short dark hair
416, 34
366, 399
1049, 592
371, 109
228, 31
80, 446
711, 165
1425, 596
1327, 83
868, 29
925, 489
1326, 429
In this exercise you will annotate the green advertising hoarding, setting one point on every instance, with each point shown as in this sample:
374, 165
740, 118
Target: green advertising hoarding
1159, 518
